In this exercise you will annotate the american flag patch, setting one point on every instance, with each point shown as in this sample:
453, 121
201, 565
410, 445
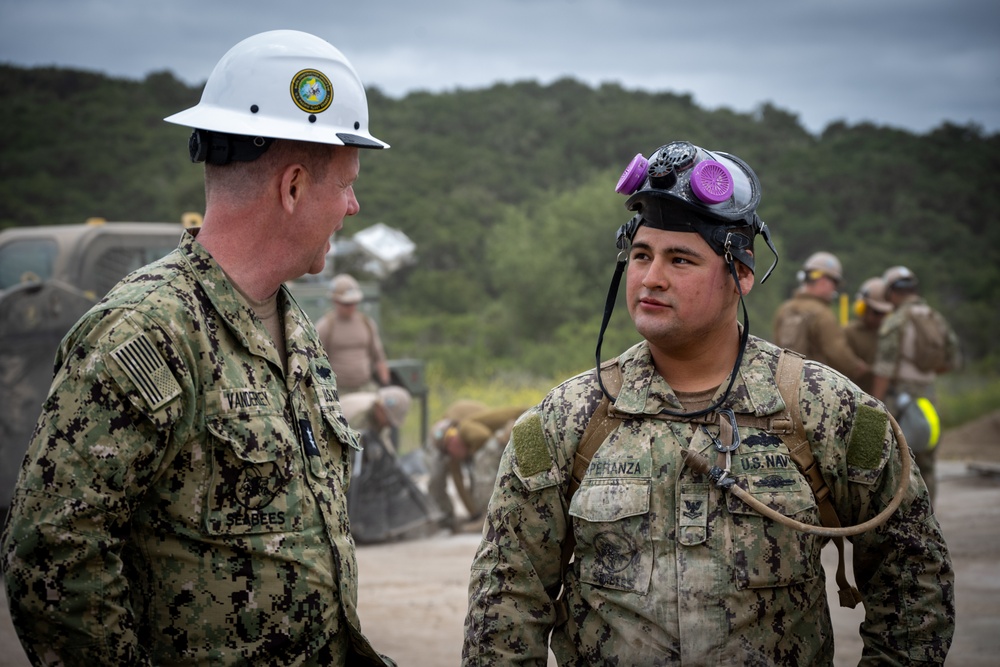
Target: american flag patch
147, 369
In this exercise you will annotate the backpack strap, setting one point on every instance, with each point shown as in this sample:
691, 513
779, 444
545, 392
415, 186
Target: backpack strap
787, 424
789, 374
600, 426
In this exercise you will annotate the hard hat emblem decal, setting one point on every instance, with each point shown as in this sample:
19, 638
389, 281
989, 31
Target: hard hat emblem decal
311, 91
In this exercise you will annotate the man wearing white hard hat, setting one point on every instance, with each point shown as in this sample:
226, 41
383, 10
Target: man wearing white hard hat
183, 499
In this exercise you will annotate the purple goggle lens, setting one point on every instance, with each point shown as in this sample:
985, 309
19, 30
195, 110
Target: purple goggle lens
633, 176
711, 182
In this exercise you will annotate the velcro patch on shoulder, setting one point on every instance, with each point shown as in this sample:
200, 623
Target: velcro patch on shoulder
529, 446
865, 448
145, 366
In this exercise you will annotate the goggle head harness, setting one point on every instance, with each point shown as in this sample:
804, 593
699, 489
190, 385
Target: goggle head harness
222, 148
682, 187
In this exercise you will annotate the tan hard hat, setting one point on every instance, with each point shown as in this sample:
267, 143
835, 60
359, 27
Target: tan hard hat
345, 289
899, 277
822, 264
396, 402
872, 292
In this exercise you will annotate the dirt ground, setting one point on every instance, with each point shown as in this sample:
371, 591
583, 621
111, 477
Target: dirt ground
412, 596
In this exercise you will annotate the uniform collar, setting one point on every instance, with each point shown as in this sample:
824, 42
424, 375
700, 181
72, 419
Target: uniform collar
239, 317
645, 392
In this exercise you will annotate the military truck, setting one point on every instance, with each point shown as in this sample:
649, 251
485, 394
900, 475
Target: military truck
49, 277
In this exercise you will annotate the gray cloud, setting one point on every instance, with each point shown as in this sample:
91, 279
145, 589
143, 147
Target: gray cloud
905, 63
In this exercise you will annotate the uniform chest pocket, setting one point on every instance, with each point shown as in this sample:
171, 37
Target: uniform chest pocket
611, 525
256, 476
765, 553
343, 442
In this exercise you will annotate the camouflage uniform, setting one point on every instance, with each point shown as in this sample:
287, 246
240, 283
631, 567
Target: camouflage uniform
806, 324
669, 569
182, 502
894, 360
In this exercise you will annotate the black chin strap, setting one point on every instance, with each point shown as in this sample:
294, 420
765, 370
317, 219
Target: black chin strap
609, 307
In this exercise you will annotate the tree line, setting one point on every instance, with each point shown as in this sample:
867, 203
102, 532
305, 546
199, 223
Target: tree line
508, 193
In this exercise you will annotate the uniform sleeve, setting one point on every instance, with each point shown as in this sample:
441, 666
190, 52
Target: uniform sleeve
902, 567
92, 455
515, 574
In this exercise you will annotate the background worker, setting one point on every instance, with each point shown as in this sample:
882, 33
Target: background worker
375, 413
183, 499
915, 345
871, 307
658, 561
383, 502
351, 340
805, 323
465, 446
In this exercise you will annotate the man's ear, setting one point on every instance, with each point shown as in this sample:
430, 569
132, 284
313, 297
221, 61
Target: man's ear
746, 277
292, 186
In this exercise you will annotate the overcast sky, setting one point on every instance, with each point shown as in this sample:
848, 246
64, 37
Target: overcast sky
911, 64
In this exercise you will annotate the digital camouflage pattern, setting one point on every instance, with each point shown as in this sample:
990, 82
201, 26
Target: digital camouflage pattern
183, 499
670, 570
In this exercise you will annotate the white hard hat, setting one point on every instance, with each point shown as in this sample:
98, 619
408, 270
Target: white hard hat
284, 84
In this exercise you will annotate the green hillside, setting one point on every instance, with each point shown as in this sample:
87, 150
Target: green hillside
508, 193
